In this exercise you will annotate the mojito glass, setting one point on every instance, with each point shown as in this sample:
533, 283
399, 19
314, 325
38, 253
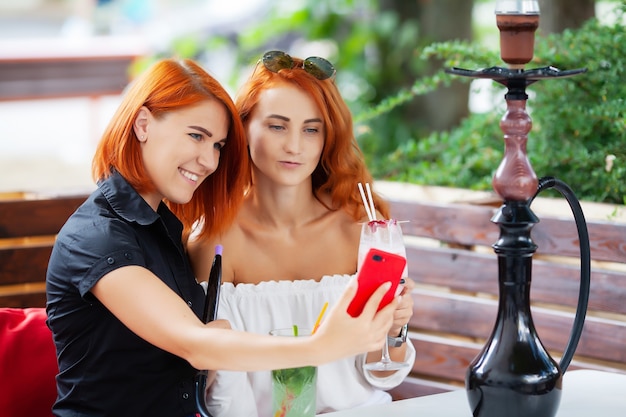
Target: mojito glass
293, 389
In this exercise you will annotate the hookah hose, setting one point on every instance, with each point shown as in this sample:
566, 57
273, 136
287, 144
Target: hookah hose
585, 262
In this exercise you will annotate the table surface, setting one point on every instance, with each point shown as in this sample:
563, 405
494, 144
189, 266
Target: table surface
586, 393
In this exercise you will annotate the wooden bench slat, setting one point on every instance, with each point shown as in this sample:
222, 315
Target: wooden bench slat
24, 300
26, 288
474, 318
438, 359
555, 236
24, 264
469, 225
461, 224
476, 272
37, 217
458, 269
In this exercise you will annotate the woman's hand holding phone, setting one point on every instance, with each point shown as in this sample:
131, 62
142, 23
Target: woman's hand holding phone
378, 267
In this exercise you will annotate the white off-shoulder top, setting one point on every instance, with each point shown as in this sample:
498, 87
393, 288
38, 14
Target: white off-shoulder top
281, 304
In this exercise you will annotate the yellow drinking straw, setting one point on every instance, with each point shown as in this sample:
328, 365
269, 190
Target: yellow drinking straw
319, 318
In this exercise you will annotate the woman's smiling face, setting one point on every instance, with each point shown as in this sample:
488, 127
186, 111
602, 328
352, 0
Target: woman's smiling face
181, 149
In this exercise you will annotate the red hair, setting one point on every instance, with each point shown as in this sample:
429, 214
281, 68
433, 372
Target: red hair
167, 86
341, 166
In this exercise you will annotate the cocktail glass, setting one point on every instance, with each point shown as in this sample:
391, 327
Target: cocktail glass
294, 389
384, 235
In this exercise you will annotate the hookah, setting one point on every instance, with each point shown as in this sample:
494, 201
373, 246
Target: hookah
514, 375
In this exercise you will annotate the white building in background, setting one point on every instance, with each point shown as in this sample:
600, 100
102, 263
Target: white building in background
47, 144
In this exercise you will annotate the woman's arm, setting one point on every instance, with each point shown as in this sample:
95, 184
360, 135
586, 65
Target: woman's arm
158, 315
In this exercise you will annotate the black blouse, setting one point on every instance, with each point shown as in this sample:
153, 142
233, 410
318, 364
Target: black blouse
105, 369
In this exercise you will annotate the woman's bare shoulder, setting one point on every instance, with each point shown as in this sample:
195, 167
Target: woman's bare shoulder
202, 252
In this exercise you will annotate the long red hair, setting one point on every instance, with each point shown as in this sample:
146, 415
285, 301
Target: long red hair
341, 166
170, 85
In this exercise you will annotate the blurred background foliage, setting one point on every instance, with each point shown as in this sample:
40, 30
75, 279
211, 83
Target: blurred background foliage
413, 120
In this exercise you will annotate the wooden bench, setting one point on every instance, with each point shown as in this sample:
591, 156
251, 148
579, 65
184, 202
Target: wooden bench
456, 270
450, 258
28, 226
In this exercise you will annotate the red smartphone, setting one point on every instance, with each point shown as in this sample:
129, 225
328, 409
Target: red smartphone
378, 267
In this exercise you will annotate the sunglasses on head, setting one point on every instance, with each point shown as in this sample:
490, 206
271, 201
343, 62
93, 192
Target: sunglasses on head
318, 67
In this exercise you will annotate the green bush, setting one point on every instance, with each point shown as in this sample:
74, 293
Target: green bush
579, 127
579, 122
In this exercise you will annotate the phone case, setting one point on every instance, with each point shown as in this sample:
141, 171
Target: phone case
378, 267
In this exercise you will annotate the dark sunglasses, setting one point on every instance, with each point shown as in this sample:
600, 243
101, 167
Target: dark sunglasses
318, 67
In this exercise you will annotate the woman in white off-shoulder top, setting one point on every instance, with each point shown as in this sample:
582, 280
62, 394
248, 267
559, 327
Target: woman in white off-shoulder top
294, 243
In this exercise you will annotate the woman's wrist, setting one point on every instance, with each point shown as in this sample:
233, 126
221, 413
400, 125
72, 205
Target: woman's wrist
399, 337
